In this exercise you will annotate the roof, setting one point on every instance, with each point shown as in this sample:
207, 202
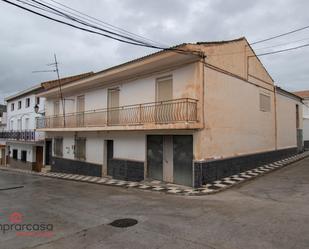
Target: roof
55, 83
302, 94
279, 89
27, 91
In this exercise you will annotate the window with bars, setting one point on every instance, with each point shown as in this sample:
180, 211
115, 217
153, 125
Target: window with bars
265, 105
80, 148
58, 146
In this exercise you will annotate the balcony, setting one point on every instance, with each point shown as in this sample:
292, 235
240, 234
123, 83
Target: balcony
27, 135
177, 113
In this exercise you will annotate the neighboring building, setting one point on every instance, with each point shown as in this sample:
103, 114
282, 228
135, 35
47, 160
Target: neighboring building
2, 128
305, 96
183, 117
24, 146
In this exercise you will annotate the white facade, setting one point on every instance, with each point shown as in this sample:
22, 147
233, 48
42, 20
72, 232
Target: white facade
20, 128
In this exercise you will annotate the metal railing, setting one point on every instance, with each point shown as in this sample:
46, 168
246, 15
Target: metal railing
26, 135
163, 112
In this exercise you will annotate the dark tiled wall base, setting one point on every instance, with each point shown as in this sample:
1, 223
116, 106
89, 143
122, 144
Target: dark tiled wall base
18, 164
306, 144
126, 170
209, 171
63, 165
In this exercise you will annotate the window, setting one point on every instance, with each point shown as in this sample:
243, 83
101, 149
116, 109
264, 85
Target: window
264, 102
19, 104
23, 156
164, 89
27, 124
19, 124
80, 148
27, 102
12, 125
56, 108
12, 107
37, 100
15, 153
58, 147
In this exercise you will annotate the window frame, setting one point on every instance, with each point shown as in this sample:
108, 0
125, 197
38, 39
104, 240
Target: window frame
58, 152
19, 104
27, 103
80, 155
263, 107
12, 106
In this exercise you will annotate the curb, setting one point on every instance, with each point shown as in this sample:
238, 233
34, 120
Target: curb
215, 187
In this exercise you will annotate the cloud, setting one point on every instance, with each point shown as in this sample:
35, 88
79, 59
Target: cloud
28, 42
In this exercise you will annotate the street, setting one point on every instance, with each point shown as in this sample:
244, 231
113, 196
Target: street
268, 212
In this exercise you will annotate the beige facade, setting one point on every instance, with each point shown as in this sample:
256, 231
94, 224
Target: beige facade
219, 94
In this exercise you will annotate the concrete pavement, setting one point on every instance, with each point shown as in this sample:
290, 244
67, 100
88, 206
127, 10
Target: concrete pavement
268, 212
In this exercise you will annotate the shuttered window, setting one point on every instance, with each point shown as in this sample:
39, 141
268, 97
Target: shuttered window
80, 148
265, 105
58, 146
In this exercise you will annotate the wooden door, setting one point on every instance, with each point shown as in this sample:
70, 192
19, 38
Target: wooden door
164, 92
39, 159
113, 104
80, 107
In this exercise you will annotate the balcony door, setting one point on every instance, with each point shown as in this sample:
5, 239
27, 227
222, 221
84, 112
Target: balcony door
56, 114
113, 104
164, 92
80, 107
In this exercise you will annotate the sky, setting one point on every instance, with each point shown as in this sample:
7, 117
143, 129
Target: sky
28, 42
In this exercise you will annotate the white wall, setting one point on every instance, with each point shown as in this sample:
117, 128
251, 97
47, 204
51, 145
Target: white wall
185, 80
28, 147
130, 146
286, 121
23, 113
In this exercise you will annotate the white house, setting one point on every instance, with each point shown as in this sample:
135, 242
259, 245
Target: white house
2, 128
24, 146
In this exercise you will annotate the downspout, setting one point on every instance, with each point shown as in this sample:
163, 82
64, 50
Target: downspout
275, 111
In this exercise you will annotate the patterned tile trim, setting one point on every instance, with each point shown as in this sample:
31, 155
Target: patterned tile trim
157, 186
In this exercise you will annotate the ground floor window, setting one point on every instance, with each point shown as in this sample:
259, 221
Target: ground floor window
58, 146
15, 153
23, 156
80, 148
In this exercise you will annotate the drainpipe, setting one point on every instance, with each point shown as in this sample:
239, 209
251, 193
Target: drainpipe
275, 111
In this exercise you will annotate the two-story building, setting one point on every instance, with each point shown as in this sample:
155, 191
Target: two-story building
305, 96
189, 115
24, 145
2, 128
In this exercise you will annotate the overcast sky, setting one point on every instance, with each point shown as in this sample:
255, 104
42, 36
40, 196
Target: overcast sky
28, 42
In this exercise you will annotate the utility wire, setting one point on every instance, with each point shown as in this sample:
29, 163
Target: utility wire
282, 50
198, 53
103, 22
280, 35
87, 24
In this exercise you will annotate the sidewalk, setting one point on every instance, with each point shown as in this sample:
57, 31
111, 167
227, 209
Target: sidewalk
158, 186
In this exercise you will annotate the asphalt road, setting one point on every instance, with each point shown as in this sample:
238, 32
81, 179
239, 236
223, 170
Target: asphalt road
269, 212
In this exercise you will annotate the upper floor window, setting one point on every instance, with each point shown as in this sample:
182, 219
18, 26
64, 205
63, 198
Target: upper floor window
19, 104
12, 107
265, 104
164, 88
27, 102
37, 100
